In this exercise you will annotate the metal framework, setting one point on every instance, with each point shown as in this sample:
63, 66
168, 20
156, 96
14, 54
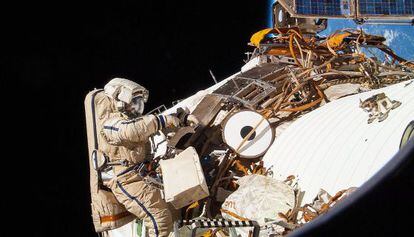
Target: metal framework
362, 11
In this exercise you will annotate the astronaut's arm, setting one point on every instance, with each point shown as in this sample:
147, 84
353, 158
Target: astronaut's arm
118, 131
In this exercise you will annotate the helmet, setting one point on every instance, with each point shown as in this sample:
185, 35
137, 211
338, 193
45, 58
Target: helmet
129, 96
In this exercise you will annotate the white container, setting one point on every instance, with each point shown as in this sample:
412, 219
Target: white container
183, 178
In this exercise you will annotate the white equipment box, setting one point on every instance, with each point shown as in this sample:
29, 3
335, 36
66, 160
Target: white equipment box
183, 179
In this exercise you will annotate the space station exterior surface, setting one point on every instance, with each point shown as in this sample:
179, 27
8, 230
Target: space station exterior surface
333, 147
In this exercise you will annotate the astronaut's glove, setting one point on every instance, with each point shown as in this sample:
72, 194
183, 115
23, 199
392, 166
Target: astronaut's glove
191, 120
186, 119
171, 121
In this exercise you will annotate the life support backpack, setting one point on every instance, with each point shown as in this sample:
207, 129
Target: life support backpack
107, 212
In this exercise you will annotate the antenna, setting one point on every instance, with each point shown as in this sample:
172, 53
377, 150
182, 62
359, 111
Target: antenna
212, 75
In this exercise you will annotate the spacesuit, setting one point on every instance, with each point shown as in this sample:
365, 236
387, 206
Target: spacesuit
124, 136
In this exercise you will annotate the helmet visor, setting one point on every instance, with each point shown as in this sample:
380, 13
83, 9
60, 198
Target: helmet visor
136, 107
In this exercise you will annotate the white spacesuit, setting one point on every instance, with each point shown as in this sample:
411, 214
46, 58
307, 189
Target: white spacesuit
124, 138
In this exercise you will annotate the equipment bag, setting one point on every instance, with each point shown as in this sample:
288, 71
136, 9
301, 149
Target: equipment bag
107, 212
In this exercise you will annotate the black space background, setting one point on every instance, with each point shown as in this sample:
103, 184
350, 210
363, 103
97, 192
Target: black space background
57, 52
54, 53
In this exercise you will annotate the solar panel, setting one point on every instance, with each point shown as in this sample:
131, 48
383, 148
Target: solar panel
365, 7
386, 7
320, 7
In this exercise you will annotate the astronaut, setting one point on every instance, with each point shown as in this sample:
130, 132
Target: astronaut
124, 139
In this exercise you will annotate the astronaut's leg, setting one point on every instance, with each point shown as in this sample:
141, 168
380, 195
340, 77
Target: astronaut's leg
146, 203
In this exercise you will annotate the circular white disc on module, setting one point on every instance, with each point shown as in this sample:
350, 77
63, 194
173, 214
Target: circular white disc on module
239, 125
